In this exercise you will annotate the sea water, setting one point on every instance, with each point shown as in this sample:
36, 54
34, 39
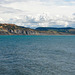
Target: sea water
37, 55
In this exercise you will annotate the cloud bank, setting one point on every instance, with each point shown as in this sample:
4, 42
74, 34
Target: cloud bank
43, 13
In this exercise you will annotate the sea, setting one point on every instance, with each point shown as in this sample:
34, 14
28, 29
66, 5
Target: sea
37, 55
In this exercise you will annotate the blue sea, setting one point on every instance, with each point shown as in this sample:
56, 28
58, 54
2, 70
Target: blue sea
37, 55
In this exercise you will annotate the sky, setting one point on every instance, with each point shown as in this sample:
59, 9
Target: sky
38, 13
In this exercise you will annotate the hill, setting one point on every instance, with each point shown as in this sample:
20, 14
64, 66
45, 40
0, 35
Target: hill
60, 31
12, 29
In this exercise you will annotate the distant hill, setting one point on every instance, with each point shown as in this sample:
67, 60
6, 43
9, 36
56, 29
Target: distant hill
52, 28
12, 29
64, 30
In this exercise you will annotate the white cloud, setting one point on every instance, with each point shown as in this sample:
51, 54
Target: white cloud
43, 21
30, 12
35, 7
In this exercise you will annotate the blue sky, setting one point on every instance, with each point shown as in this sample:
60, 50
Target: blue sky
25, 12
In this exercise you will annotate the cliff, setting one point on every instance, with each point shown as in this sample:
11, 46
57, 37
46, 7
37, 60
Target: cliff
12, 29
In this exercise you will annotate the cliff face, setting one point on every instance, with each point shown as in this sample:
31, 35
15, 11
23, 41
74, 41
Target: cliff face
12, 29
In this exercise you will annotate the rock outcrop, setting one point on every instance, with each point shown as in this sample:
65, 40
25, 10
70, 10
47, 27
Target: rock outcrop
12, 29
